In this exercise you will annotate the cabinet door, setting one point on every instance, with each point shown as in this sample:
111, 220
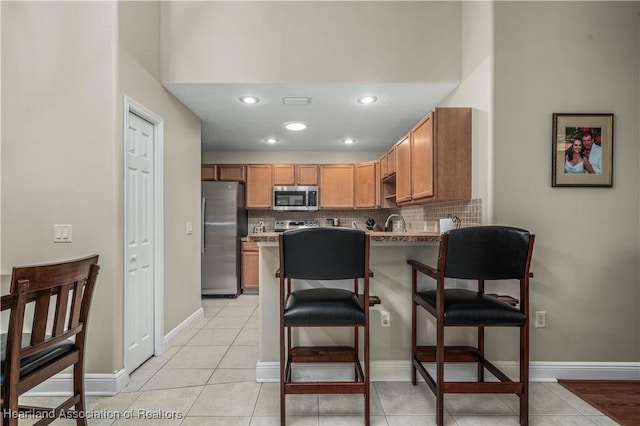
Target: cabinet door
307, 174
250, 270
391, 161
422, 159
208, 172
259, 186
365, 178
383, 166
283, 174
336, 186
231, 172
403, 170
452, 141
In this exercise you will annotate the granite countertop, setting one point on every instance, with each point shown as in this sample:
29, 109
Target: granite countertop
412, 237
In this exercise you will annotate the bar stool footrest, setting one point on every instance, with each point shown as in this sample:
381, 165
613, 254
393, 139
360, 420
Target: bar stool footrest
323, 354
451, 354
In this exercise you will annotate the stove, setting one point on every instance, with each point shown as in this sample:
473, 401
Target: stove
285, 225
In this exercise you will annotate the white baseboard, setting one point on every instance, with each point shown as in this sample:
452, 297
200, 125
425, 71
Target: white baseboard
108, 384
171, 337
400, 371
94, 385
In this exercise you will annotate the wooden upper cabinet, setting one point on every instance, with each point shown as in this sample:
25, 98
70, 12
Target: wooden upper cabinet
208, 172
391, 160
383, 165
298, 174
452, 149
336, 186
232, 172
365, 185
259, 186
403, 171
284, 174
437, 165
422, 159
307, 174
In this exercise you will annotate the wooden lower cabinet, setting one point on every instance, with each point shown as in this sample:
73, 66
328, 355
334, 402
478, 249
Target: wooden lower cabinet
250, 266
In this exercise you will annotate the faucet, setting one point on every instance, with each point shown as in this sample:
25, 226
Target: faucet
386, 223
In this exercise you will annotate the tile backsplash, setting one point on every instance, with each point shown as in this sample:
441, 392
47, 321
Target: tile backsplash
426, 217
419, 218
346, 217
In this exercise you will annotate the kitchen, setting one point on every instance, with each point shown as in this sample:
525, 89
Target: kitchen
431, 162
493, 51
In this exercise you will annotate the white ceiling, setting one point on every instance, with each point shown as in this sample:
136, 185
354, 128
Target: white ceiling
332, 115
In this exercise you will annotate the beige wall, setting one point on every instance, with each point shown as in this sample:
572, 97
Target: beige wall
139, 28
476, 91
298, 42
571, 57
586, 269
65, 70
61, 156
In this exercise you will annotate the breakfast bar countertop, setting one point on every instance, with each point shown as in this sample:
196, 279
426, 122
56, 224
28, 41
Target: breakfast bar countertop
406, 237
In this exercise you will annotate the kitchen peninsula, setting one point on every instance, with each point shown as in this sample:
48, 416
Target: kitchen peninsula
390, 346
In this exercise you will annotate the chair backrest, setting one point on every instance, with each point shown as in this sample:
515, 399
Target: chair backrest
324, 254
486, 253
67, 287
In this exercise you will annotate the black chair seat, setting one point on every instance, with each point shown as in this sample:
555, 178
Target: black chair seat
32, 362
468, 307
323, 307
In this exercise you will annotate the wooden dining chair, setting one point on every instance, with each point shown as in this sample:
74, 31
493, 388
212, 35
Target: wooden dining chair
49, 307
477, 254
328, 255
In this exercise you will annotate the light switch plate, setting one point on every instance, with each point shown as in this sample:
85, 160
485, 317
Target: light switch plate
62, 233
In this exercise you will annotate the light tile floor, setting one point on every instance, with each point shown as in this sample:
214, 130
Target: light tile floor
208, 378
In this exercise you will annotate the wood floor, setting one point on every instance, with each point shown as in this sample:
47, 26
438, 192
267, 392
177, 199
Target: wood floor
618, 399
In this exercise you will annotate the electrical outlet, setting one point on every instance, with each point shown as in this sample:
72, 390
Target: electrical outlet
541, 319
385, 319
189, 228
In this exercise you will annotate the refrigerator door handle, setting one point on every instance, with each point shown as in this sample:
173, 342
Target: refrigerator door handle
204, 201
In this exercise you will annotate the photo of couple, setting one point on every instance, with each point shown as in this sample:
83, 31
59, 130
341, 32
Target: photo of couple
584, 153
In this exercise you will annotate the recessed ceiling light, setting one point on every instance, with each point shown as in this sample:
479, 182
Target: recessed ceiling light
349, 141
367, 99
295, 126
271, 140
249, 100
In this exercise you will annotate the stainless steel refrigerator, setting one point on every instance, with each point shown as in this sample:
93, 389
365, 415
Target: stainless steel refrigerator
224, 223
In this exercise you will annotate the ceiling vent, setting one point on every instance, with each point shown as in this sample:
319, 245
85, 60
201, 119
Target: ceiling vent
300, 100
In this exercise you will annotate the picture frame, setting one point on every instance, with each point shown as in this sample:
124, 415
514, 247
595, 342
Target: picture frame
582, 150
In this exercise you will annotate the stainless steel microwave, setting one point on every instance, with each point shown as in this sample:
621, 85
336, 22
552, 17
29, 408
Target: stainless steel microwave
295, 198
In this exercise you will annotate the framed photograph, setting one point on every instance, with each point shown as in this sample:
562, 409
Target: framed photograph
582, 150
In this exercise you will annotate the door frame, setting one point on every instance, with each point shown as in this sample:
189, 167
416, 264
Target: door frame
131, 106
